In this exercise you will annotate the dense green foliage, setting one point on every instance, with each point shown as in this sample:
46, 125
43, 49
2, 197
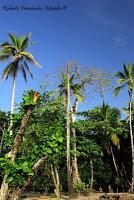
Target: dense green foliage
100, 130
100, 139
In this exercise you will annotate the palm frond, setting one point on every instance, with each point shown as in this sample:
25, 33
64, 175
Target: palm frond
104, 110
29, 57
130, 69
126, 111
115, 139
9, 71
26, 42
72, 78
16, 41
28, 69
121, 80
78, 87
120, 75
118, 89
61, 86
9, 49
4, 57
79, 97
63, 92
20, 42
126, 72
24, 73
13, 38
4, 44
133, 70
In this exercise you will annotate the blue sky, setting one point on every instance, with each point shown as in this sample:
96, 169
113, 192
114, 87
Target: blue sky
93, 32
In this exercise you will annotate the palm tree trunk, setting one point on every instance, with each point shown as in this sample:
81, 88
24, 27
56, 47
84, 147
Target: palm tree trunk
13, 153
58, 182
131, 136
69, 179
113, 157
75, 176
1, 142
13, 95
4, 190
126, 174
12, 106
91, 174
20, 134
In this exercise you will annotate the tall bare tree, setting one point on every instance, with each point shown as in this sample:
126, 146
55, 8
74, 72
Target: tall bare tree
69, 179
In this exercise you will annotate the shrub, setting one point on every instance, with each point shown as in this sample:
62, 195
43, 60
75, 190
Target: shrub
80, 187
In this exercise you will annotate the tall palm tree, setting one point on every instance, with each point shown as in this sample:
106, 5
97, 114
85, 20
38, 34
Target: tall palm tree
105, 112
15, 50
69, 180
126, 79
76, 90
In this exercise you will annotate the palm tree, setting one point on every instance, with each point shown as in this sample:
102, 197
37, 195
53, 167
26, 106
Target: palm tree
76, 90
69, 180
16, 50
126, 79
105, 113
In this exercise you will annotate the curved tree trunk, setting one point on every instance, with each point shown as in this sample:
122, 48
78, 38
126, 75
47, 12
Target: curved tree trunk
4, 190
13, 153
35, 168
20, 134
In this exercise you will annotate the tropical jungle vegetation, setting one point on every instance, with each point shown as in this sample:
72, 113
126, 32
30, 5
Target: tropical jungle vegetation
50, 146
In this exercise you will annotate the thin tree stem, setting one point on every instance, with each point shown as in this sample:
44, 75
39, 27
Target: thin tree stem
12, 106
113, 157
91, 173
76, 177
131, 136
68, 130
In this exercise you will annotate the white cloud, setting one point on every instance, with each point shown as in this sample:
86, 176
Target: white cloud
120, 42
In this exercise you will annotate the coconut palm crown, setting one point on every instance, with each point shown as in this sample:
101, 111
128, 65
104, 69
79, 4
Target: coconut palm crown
125, 79
76, 88
16, 50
